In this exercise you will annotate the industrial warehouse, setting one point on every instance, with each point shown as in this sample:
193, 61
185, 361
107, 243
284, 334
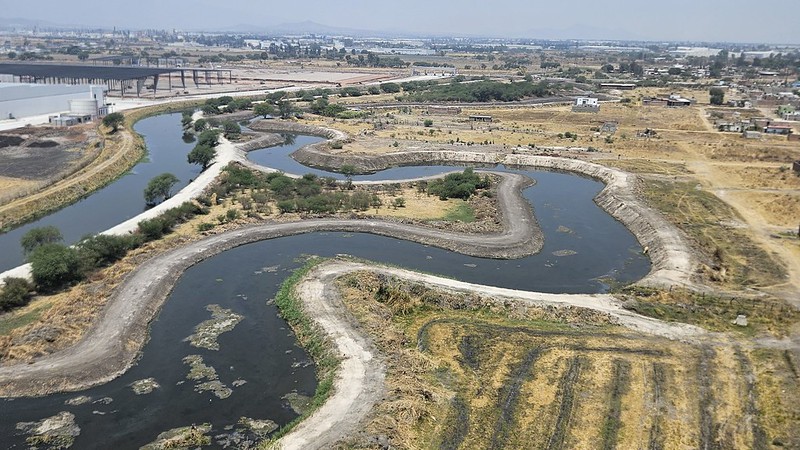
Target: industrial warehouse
115, 78
82, 102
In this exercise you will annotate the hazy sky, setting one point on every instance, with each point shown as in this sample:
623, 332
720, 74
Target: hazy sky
777, 21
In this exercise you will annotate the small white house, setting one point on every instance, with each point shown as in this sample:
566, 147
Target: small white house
586, 104
586, 101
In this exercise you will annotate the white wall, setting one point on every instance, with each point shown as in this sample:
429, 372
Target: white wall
25, 100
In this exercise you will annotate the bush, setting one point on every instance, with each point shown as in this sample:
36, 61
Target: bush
205, 226
152, 229
15, 293
458, 185
390, 88
36, 237
428, 123
102, 249
286, 206
54, 266
200, 125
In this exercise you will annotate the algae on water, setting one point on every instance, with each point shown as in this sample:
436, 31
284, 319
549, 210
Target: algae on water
190, 437
55, 432
146, 386
208, 332
206, 377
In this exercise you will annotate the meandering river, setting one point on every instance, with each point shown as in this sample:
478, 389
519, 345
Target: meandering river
258, 361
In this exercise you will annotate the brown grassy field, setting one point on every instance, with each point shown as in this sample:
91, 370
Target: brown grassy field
491, 377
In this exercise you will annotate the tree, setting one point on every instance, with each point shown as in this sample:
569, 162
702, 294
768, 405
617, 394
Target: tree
390, 88
54, 266
231, 129
717, 96
114, 120
104, 249
201, 154
209, 138
159, 187
286, 109
36, 237
200, 125
428, 123
264, 109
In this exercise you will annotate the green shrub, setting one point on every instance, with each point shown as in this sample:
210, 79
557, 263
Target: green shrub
102, 249
15, 293
39, 236
205, 226
154, 228
54, 266
458, 185
286, 206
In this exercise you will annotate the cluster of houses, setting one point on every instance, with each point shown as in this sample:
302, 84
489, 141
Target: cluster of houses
752, 128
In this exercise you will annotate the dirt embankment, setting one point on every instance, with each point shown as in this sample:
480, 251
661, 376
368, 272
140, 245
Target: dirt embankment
261, 140
278, 126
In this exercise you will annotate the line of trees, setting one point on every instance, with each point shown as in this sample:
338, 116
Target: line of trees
480, 91
55, 266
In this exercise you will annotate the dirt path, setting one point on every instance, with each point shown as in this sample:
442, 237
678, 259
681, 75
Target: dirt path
719, 183
359, 383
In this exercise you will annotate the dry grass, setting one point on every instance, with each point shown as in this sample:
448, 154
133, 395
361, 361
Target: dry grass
718, 233
781, 210
484, 394
13, 187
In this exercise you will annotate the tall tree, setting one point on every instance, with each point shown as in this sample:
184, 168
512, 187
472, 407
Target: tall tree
39, 236
202, 154
264, 109
159, 187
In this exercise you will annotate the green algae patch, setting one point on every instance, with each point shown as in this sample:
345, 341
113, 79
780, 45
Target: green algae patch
55, 432
79, 400
206, 334
301, 404
199, 371
146, 386
182, 438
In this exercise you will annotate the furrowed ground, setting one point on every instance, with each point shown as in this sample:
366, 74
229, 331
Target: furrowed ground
467, 372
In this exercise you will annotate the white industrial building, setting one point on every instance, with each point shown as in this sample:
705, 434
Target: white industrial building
20, 100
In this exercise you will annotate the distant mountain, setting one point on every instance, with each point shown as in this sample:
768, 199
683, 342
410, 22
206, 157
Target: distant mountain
19, 23
581, 32
309, 27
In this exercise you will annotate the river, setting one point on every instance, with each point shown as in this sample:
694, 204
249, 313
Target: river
259, 362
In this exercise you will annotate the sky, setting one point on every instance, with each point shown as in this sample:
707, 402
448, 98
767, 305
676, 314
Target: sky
666, 20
